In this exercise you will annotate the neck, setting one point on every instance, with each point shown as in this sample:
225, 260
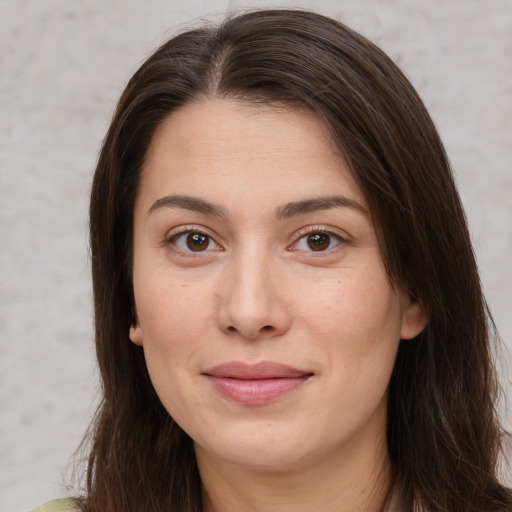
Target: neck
356, 479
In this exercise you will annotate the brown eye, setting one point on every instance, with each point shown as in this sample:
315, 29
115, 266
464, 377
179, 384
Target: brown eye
318, 241
197, 242
190, 241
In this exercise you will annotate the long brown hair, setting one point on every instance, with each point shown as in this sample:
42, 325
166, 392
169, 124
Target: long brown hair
443, 431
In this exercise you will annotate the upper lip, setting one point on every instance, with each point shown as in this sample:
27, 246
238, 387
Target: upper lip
263, 370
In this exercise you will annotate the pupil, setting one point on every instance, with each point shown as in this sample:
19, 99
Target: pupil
197, 241
319, 241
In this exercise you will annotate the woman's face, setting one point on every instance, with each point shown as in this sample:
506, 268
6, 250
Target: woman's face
268, 322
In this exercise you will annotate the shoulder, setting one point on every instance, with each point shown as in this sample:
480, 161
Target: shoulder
66, 505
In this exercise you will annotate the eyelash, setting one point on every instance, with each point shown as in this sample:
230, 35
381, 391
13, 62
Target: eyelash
308, 231
176, 237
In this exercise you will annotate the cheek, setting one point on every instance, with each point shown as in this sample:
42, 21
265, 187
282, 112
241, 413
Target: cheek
360, 302
173, 317
174, 323
356, 323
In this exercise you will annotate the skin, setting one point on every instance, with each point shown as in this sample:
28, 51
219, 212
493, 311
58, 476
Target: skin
257, 291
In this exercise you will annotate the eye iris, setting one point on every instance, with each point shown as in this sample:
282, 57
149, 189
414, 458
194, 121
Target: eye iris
318, 241
197, 241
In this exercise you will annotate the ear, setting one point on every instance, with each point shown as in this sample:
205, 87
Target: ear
136, 334
414, 319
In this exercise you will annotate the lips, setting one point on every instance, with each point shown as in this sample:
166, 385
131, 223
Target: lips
256, 384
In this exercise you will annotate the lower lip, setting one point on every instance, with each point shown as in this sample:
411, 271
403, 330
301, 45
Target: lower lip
256, 391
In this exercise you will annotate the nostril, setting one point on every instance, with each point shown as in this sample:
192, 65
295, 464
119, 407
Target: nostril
267, 328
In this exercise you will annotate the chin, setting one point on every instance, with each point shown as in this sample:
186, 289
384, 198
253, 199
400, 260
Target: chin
261, 451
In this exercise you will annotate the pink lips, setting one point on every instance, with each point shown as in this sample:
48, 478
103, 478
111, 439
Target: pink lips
255, 384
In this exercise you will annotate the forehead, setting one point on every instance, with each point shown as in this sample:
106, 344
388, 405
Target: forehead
216, 146
228, 125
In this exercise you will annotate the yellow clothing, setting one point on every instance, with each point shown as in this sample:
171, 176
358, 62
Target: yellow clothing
66, 505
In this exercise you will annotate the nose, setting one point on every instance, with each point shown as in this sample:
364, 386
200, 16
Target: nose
252, 299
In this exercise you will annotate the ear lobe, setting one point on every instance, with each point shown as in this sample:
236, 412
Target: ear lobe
136, 334
414, 320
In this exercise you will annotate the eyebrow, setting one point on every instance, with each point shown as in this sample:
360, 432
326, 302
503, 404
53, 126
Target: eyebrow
282, 212
195, 204
318, 204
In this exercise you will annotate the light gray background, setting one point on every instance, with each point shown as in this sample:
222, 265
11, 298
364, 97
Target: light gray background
63, 64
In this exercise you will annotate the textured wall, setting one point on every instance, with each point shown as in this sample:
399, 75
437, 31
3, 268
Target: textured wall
63, 65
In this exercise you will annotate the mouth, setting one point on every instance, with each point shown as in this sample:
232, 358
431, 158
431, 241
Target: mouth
256, 384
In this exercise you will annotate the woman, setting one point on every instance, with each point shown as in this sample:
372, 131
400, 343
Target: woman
288, 309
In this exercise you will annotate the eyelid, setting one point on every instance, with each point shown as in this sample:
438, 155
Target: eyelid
312, 229
186, 229
322, 228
